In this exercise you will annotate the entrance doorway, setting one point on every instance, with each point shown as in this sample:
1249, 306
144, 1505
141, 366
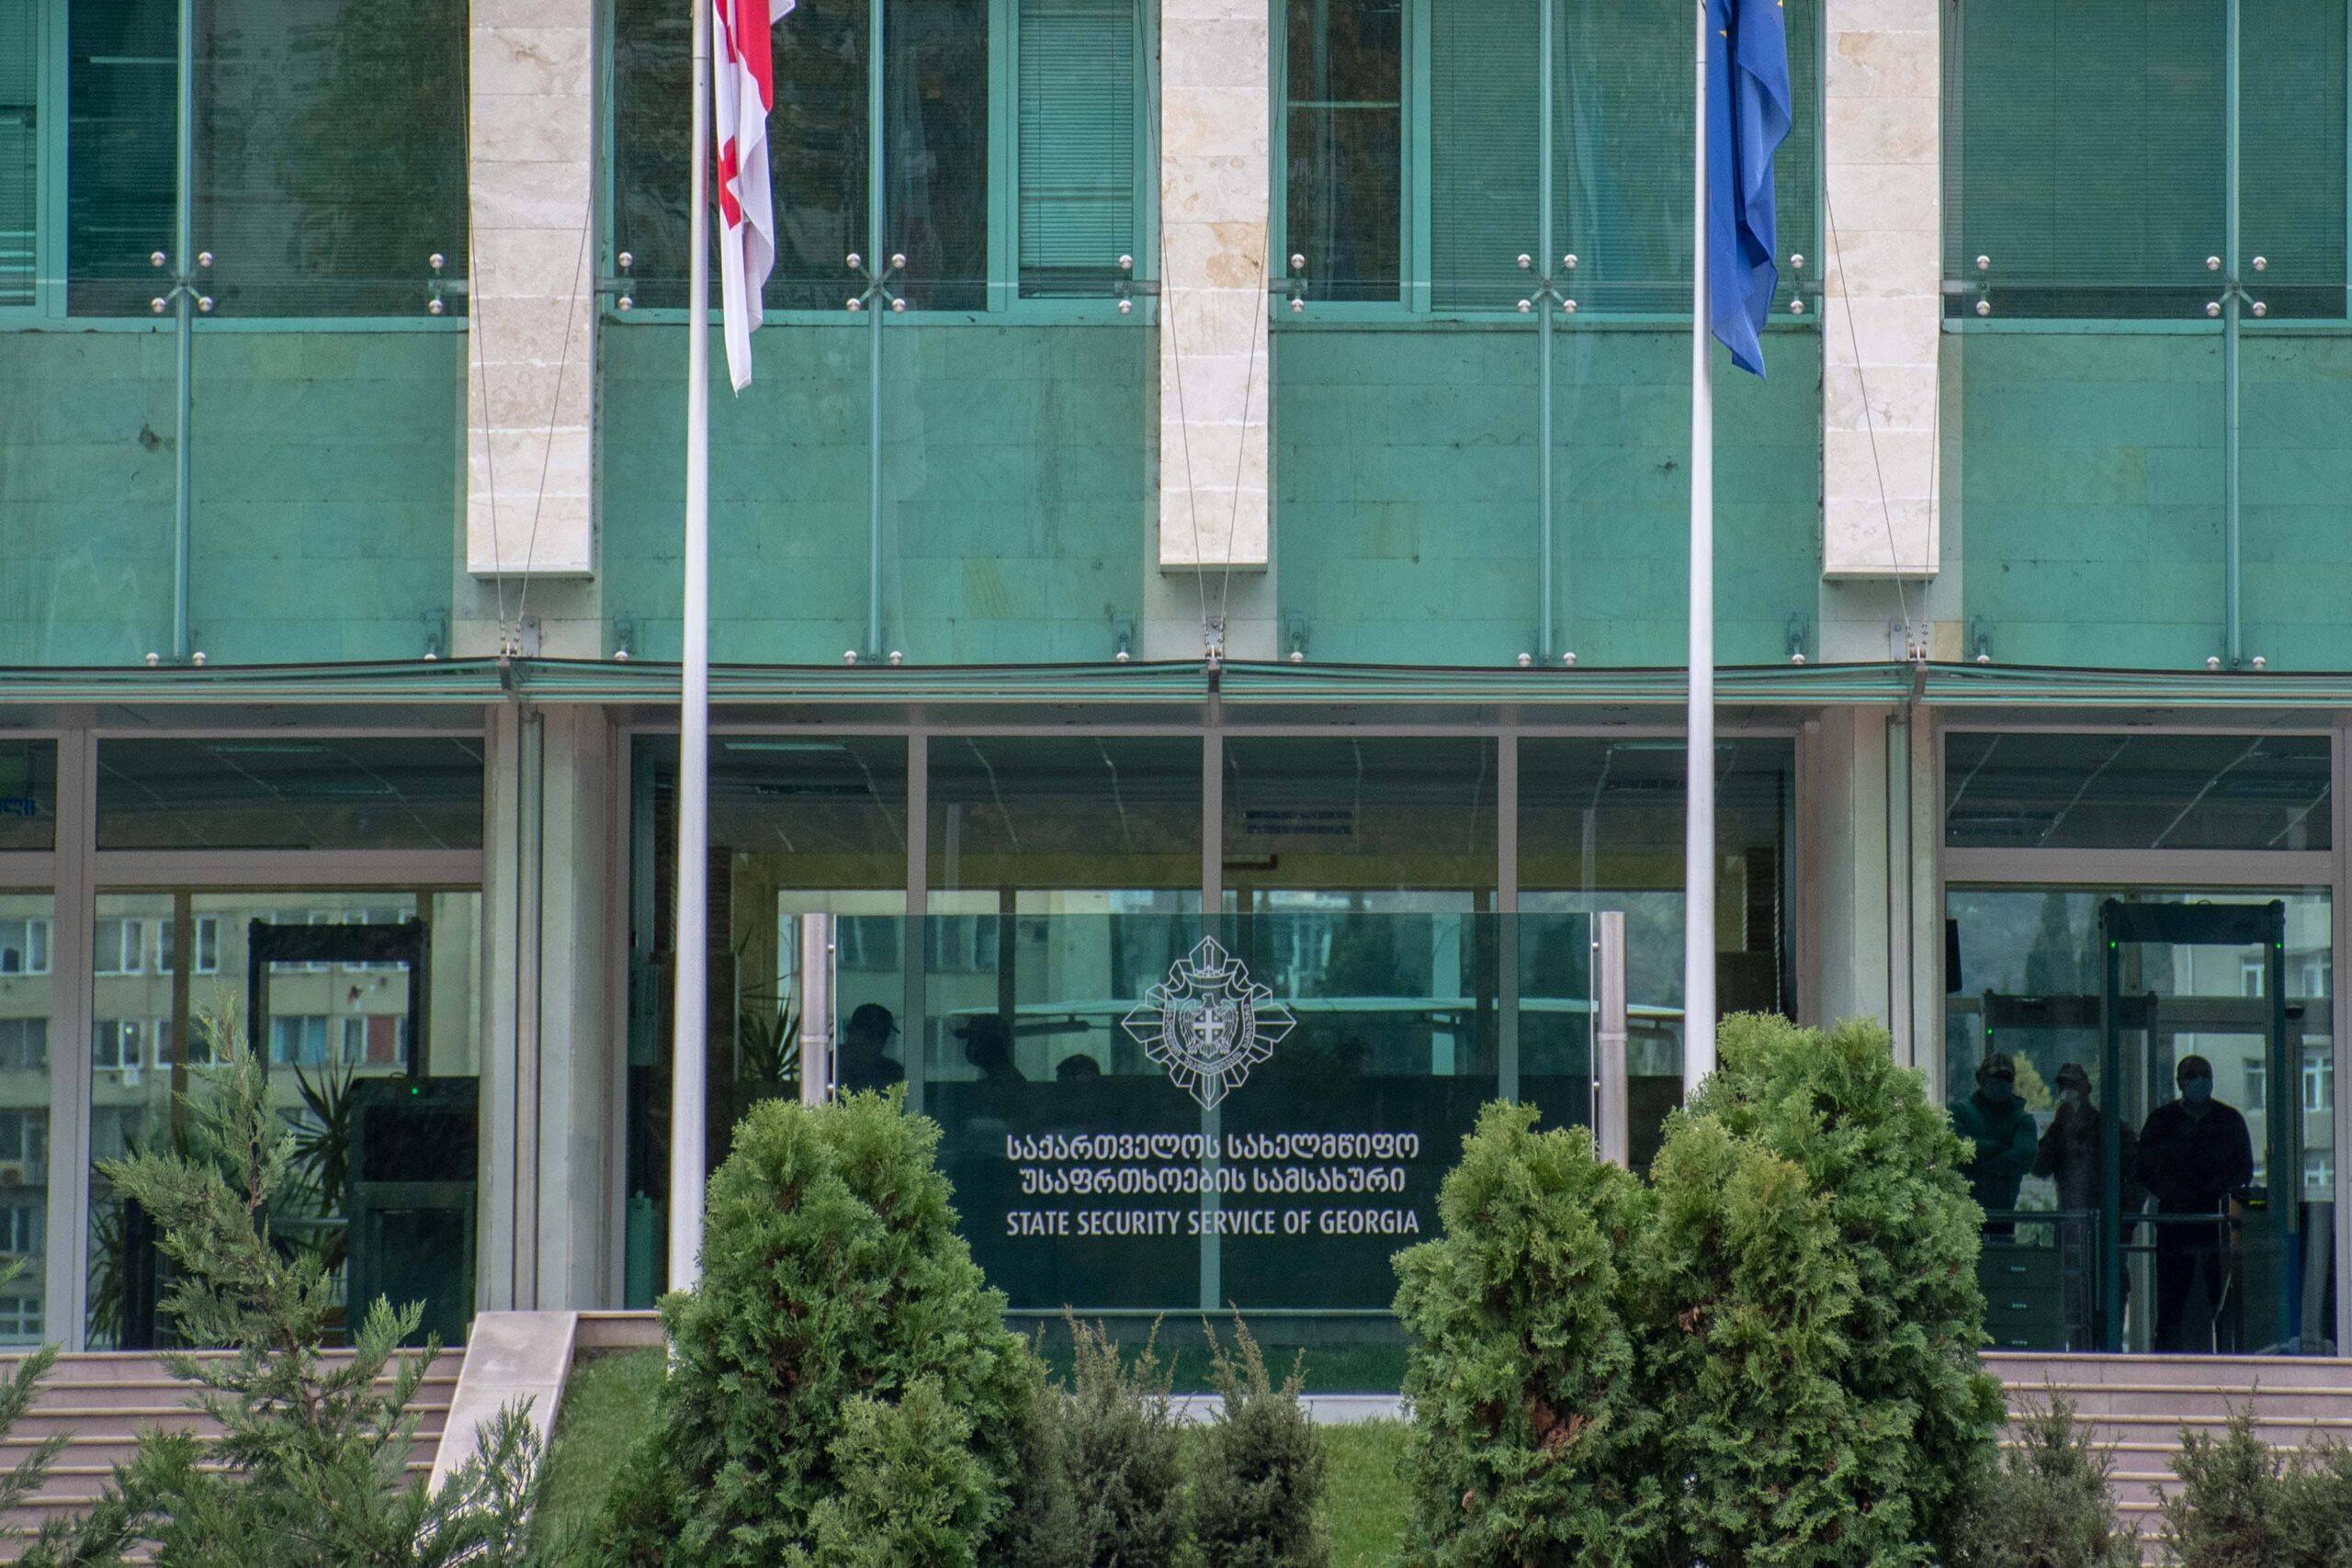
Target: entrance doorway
2146, 1079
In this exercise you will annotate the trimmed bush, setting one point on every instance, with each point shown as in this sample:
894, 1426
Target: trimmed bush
2045, 1504
1107, 1482
1532, 1441
1746, 1296
831, 1274
1768, 1358
913, 1494
1886, 1161
1258, 1468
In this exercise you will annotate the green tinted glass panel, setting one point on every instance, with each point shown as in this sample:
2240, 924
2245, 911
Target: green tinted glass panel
389, 793
122, 87
1369, 824
331, 153
1483, 169
816, 148
1621, 157
28, 794
1078, 68
20, 64
2084, 154
2291, 205
1089, 816
935, 125
1344, 143
2144, 792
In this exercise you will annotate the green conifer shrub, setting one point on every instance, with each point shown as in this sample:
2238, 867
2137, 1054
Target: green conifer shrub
1886, 1161
1745, 1299
310, 1466
2045, 1503
2226, 1511
2315, 1510
1107, 1486
912, 1490
1258, 1468
1531, 1444
832, 1272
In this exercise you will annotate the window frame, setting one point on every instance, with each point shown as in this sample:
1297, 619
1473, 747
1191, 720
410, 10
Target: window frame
1954, 320
1413, 304
54, 182
1005, 306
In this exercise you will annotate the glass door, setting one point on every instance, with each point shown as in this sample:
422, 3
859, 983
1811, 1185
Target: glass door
2202, 1208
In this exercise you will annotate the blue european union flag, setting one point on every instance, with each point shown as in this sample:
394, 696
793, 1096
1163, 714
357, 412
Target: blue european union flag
1748, 118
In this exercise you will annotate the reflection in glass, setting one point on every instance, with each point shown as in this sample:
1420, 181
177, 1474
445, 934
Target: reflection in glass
418, 792
2025, 1002
28, 794
2048, 790
27, 998
2083, 154
936, 169
816, 148
122, 94
799, 826
330, 153
1601, 828
373, 1065
1345, 145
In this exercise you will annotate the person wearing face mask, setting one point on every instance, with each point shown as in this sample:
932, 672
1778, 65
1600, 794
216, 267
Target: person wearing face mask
2000, 1132
2073, 1157
2194, 1152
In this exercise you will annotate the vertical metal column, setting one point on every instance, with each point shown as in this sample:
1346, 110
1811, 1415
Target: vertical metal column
816, 1008
1612, 1136
914, 950
2233, 629
1544, 305
184, 330
875, 196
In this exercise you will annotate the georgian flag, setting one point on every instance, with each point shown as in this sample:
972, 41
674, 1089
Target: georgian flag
743, 90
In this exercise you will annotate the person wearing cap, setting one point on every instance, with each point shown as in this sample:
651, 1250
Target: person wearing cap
2195, 1152
866, 1059
2001, 1134
2073, 1157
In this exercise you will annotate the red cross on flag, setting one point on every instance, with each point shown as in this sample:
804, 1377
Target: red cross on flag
743, 90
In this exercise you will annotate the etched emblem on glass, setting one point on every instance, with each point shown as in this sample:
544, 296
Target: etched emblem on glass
1210, 1024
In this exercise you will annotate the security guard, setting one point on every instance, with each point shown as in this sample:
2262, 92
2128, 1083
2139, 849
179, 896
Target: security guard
2194, 1153
2001, 1131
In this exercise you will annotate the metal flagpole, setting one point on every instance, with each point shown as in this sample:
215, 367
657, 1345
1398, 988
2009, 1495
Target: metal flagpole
1698, 790
690, 1042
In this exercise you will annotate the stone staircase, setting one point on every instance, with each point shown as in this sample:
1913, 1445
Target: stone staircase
101, 1400
2140, 1405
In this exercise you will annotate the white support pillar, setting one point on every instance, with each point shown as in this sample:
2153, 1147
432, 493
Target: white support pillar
1849, 821
549, 1039
1214, 112
530, 354
1881, 319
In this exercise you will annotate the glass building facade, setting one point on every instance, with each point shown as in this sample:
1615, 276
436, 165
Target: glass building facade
1212, 500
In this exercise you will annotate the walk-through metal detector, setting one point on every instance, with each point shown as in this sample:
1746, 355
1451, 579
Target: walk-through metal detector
415, 1139
2141, 1035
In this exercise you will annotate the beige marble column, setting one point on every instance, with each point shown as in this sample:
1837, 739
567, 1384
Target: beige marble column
1215, 144
1881, 318
530, 363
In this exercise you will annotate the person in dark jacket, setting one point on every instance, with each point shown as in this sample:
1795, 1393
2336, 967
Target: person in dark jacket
866, 1059
2001, 1134
2194, 1153
2073, 1157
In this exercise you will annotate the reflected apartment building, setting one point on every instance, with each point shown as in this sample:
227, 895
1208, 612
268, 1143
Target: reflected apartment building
1204, 546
